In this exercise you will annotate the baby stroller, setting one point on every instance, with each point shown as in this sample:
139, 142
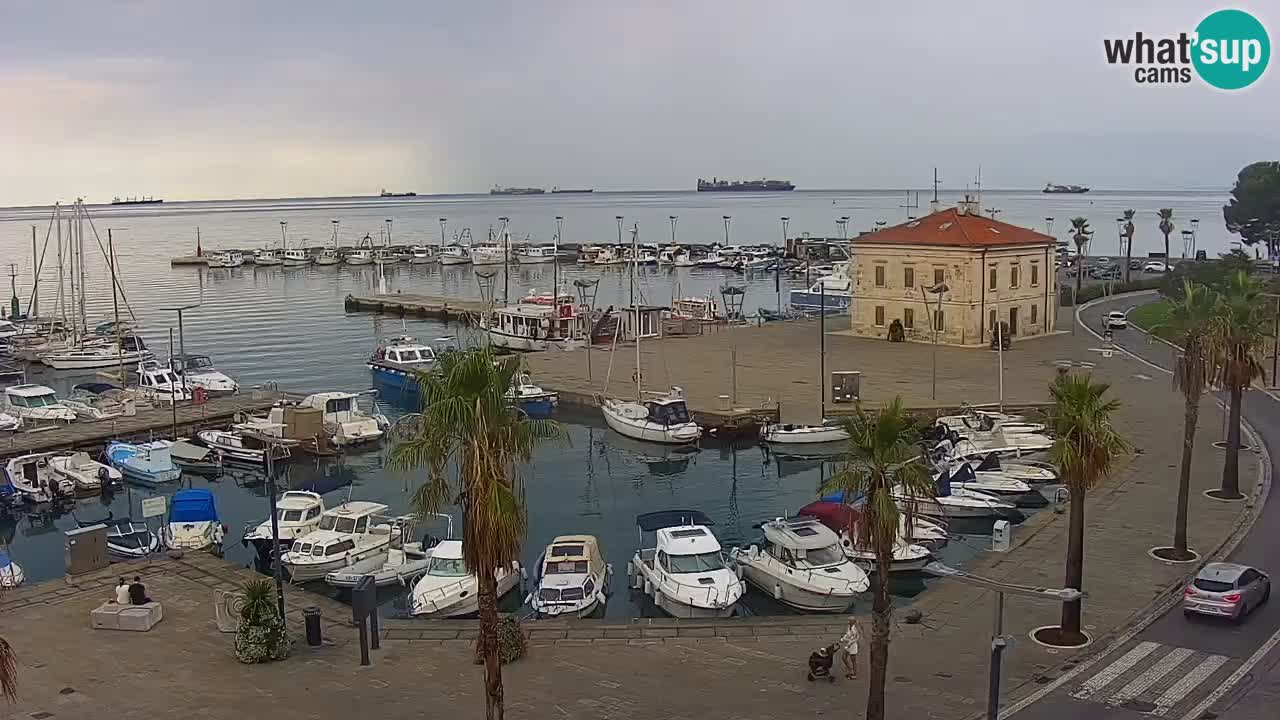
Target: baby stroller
820, 662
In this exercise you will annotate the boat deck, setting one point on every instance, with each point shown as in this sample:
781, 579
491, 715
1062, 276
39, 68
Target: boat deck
435, 306
153, 421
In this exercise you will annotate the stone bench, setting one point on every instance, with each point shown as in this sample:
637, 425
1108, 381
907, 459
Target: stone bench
135, 618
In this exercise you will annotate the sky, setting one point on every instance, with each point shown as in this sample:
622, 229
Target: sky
199, 100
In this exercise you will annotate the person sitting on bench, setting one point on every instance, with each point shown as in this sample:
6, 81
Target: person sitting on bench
138, 592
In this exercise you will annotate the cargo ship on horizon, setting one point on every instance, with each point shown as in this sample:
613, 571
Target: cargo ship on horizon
386, 194
137, 201
1065, 189
762, 185
498, 190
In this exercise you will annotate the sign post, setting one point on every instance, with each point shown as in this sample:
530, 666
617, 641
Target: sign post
153, 507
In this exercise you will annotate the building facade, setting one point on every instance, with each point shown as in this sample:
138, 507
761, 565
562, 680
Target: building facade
958, 271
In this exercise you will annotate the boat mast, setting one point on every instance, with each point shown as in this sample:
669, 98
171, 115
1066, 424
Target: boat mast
57, 221
635, 311
555, 264
115, 303
822, 351
84, 323
33, 307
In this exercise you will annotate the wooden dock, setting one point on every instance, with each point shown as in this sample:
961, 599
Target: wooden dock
189, 260
433, 306
149, 422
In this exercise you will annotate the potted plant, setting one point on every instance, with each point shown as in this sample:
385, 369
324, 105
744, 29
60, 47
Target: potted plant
262, 635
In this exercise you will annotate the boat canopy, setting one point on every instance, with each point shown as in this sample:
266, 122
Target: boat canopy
654, 521
96, 388
834, 515
573, 554
195, 505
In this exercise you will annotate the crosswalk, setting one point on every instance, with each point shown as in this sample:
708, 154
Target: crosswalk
1152, 678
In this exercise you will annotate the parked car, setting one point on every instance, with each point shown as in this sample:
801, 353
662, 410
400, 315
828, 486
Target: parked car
1115, 320
1226, 590
1155, 266
1135, 264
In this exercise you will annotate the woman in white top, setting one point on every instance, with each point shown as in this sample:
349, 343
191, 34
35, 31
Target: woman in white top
122, 593
849, 643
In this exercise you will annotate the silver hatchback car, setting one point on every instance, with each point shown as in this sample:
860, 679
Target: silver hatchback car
1226, 590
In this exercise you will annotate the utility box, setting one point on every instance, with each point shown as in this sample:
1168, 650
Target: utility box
303, 423
1001, 536
87, 549
845, 386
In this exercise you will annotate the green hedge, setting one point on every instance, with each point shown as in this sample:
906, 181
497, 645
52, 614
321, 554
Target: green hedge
1092, 292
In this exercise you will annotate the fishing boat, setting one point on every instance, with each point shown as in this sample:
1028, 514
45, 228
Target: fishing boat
394, 362
267, 257
328, 256
454, 255
384, 256
296, 257
160, 384
537, 327
532, 399
572, 580
85, 472
32, 478
362, 255
587, 255
346, 534
609, 256
487, 254
535, 254
193, 522
450, 589
148, 463
297, 513
671, 256
225, 259
36, 404
801, 564
685, 572
701, 309
831, 294
421, 255
11, 574
198, 371
643, 256
237, 446
130, 350
92, 402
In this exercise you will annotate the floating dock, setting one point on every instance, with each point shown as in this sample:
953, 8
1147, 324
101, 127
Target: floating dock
152, 421
433, 306
189, 260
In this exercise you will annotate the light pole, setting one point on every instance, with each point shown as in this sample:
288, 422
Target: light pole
506, 261
777, 268
936, 291
1111, 276
443, 222
673, 219
1195, 225
272, 442
727, 219
182, 342
1275, 348
842, 227
284, 237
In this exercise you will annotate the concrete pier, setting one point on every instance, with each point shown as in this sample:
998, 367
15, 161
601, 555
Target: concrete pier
433, 306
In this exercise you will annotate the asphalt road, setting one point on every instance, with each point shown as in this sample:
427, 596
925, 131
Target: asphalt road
1176, 665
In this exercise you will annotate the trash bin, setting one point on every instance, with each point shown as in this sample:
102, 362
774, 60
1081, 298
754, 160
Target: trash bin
311, 616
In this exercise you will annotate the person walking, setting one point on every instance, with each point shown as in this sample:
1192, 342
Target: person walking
849, 644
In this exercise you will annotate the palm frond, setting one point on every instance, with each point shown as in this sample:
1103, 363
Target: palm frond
8, 671
1087, 444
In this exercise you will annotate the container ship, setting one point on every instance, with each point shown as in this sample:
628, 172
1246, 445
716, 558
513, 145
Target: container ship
1065, 189
386, 193
763, 185
562, 191
137, 201
516, 191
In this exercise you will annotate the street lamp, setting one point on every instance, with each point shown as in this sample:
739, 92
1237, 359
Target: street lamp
443, 222
936, 291
272, 442
727, 219
673, 219
182, 343
777, 268
555, 265
1275, 349
1195, 226
842, 224
998, 640
284, 240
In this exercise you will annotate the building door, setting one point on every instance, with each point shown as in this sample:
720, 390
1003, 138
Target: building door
991, 322
1013, 322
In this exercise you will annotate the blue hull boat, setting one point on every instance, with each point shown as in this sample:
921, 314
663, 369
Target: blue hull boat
148, 463
812, 302
393, 378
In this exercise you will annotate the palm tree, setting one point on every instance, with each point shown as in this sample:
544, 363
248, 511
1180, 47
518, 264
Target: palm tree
468, 423
1085, 449
1189, 320
880, 455
1166, 227
1240, 326
1080, 233
8, 671
1128, 248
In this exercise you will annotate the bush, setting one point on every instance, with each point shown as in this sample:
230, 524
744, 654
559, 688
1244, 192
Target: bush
1093, 292
262, 635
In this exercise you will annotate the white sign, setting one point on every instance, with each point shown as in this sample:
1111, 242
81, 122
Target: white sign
153, 506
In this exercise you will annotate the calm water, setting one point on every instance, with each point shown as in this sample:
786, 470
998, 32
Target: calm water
288, 326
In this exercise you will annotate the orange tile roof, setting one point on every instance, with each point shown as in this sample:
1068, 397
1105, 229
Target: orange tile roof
950, 228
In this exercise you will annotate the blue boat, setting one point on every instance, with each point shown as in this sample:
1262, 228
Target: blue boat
532, 399
394, 362
193, 522
149, 463
830, 295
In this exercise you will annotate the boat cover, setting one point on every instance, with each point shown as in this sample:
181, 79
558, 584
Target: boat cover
4, 559
96, 388
838, 497
834, 515
195, 505
654, 521
990, 462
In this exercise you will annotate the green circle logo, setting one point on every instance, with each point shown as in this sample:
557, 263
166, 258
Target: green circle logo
1232, 49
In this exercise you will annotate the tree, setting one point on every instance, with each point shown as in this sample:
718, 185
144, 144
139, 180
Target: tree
1254, 209
8, 671
468, 423
1085, 449
1166, 227
1189, 319
1128, 247
1240, 326
880, 455
1080, 233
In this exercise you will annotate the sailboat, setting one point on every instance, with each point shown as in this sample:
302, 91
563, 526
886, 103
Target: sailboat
828, 431
664, 418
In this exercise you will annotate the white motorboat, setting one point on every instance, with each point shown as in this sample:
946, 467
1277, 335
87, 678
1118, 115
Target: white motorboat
8, 329
97, 401
977, 444
344, 421
384, 256
193, 522
33, 479
534, 327
404, 562
296, 257
11, 574
225, 259
267, 257
346, 534
703, 309
685, 573
394, 362
954, 503
240, 447
36, 404
783, 434
910, 554
642, 256
532, 399
962, 476
359, 256
988, 422
609, 256
10, 423
84, 471
802, 565
422, 255
673, 256
449, 589
487, 254
534, 254
130, 540
831, 293
573, 578
160, 384
587, 255
197, 371
297, 513
328, 256
711, 259
1028, 471
454, 255
663, 419
99, 354
150, 463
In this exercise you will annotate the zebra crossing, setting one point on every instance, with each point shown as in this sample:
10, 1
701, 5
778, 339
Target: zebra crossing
1152, 678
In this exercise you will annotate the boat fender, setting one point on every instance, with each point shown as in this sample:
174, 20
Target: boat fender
777, 591
737, 570
648, 587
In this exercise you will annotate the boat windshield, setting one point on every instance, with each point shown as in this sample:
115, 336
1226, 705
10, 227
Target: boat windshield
338, 405
341, 524
556, 567
701, 562
830, 555
198, 363
36, 401
673, 413
447, 567
290, 515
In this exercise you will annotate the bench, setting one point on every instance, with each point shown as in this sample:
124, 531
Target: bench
134, 618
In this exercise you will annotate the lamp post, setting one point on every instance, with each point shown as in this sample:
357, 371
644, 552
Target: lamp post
1111, 277
998, 640
555, 264
777, 268
506, 265
1195, 226
182, 342
272, 442
936, 291
284, 237
443, 222
1275, 348
673, 219
727, 219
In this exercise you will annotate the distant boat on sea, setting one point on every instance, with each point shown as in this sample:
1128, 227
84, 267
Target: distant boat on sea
385, 194
762, 185
498, 190
148, 200
1065, 189
558, 191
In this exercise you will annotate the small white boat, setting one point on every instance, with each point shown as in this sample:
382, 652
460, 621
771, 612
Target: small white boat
359, 256
783, 434
664, 419
84, 471
532, 399
587, 255
146, 462
344, 421
296, 257
609, 256
235, 445
10, 423
449, 589
962, 476
912, 549
129, 540
225, 259
802, 565
102, 355
346, 534
328, 256
711, 259
400, 566
685, 573
193, 522
197, 371
988, 422
33, 479
487, 254
297, 513
1028, 471
534, 254
11, 574
267, 257
955, 503
642, 256
36, 404
160, 384
454, 255
422, 255
92, 402
573, 578
673, 256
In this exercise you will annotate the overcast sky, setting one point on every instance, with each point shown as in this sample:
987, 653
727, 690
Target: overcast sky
191, 100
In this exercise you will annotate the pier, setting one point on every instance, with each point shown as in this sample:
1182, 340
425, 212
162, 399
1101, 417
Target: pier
158, 420
432, 306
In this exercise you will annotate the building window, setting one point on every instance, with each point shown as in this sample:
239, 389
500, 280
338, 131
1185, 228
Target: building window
991, 280
1013, 322
909, 277
991, 321
879, 276
937, 276
939, 319
1034, 314
909, 319
879, 315
1014, 272
1035, 275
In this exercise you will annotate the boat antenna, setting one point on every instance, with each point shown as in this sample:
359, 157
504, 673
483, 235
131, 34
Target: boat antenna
635, 311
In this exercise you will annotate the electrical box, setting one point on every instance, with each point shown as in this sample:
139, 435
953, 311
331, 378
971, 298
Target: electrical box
87, 549
1001, 536
845, 386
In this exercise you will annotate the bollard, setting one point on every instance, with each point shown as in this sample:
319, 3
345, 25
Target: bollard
311, 616
374, 642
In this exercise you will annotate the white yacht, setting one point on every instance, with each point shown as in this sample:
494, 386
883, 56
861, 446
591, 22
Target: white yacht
450, 589
345, 535
454, 255
802, 565
130, 350
10, 423
534, 254
198, 372
537, 327
267, 256
193, 522
97, 401
359, 256
573, 578
912, 548
784, 434
951, 503
240, 447
384, 256
1028, 471
297, 513
422, 255
346, 423
84, 471
36, 403
664, 419
33, 479
296, 257
685, 571
160, 384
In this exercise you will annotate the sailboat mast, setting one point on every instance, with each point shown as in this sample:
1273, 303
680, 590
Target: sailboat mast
115, 302
33, 307
635, 311
57, 221
822, 351
84, 323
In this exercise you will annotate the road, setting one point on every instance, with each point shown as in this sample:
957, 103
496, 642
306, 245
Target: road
1178, 667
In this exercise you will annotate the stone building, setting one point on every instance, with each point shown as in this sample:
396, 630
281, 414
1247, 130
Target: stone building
987, 271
